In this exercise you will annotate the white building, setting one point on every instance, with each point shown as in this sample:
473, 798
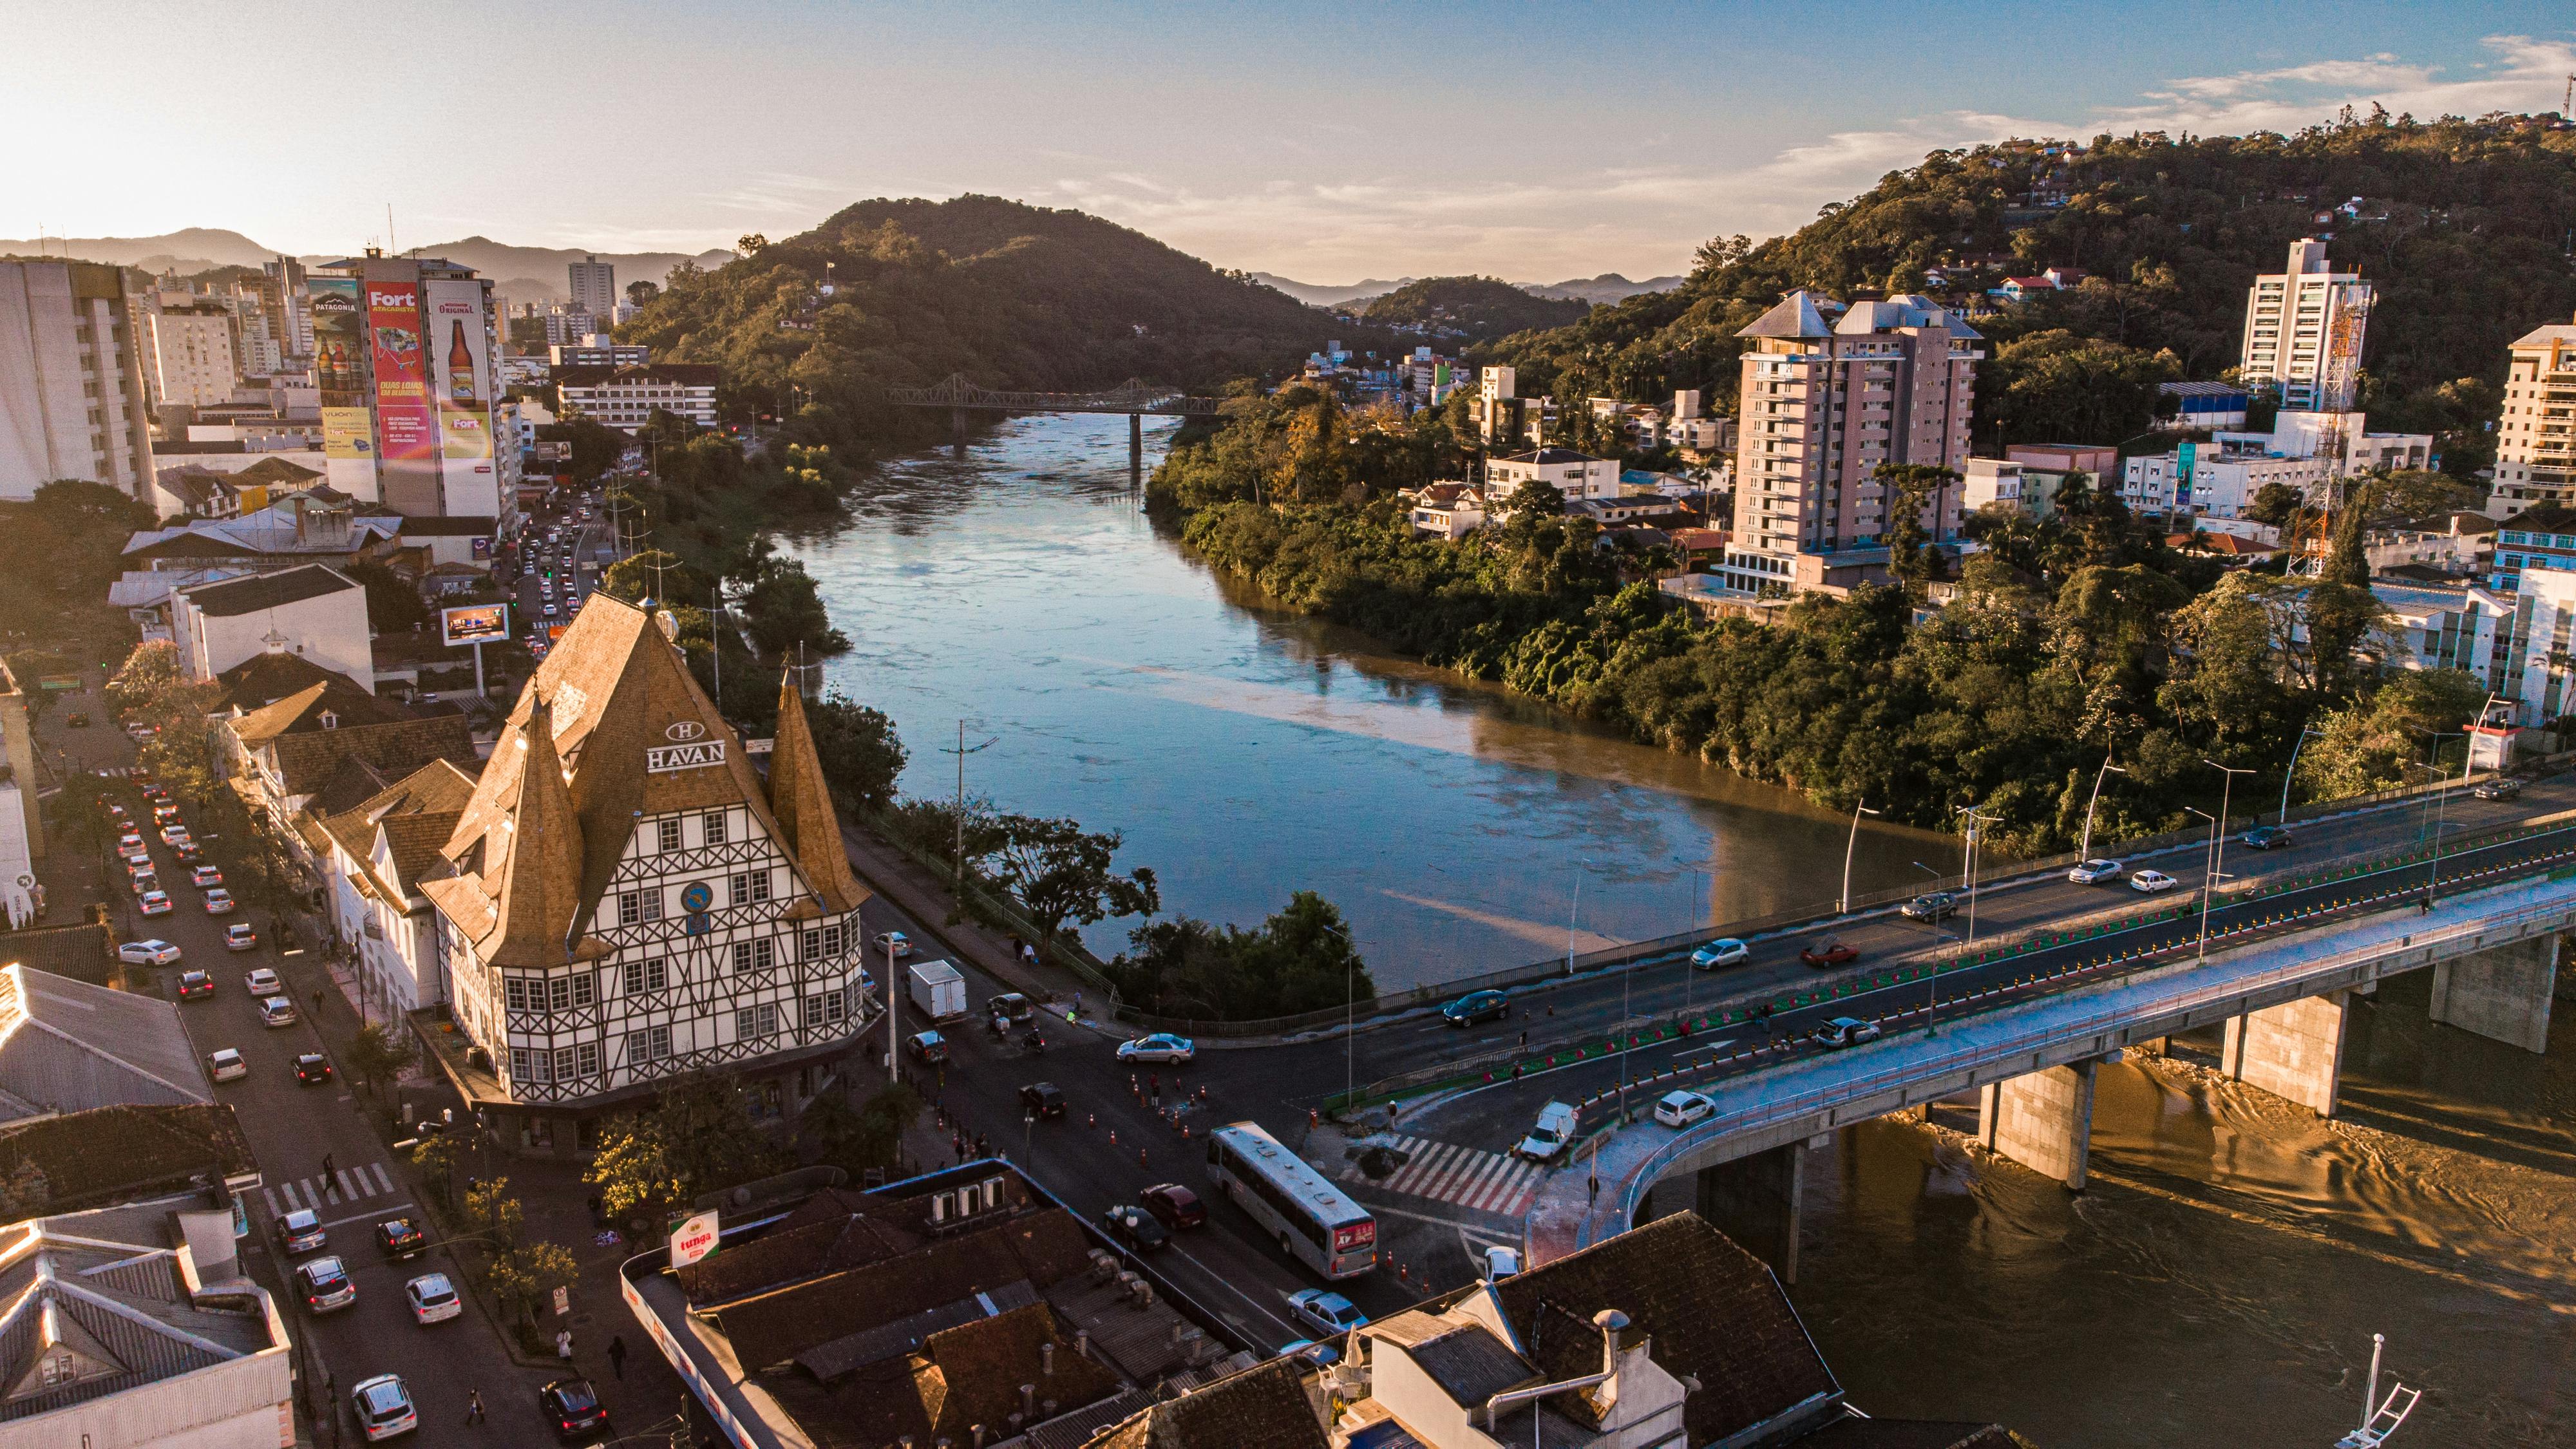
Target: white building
597, 350
377, 852
594, 286
72, 402
2221, 486
2536, 436
626, 397
2303, 330
1991, 480
314, 612
2342, 439
2530, 654
189, 351
1576, 475
626, 902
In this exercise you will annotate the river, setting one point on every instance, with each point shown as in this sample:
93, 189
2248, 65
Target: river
1247, 752
2217, 1283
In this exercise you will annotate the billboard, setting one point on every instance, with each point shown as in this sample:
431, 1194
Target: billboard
458, 360
339, 340
348, 433
402, 378
475, 623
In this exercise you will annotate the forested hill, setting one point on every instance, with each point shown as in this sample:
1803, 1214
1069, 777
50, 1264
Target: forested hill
1478, 309
2464, 226
1013, 296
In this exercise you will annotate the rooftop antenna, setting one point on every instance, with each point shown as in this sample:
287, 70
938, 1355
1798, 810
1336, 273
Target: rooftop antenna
390, 244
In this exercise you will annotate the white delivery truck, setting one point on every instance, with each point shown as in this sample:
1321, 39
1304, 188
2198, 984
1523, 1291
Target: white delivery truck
938, 992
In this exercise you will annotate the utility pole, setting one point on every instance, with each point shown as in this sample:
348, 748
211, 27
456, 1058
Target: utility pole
2084, 851
961, 752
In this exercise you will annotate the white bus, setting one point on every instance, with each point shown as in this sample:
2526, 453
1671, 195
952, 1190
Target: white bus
1315, 1221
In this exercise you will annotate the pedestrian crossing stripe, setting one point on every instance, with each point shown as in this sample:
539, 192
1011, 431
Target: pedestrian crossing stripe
1481, 1181
313, 1194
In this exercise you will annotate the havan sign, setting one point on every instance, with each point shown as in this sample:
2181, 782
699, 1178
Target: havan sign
690, 749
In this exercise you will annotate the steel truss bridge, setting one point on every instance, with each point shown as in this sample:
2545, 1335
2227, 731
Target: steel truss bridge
1134, 397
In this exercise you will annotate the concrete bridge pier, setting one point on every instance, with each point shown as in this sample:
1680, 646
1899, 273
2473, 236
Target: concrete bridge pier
1135, 451
1755, 1201
2503, 994
957, 430
2042, 1120
2293, 1050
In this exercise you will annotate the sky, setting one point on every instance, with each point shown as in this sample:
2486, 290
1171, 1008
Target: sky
1324, 142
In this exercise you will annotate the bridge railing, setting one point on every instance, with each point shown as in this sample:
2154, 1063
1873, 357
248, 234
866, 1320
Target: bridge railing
1770, 1112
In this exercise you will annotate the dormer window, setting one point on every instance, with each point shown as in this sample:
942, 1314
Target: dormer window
330, 719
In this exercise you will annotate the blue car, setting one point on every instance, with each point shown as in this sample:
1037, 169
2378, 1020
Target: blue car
2265, 837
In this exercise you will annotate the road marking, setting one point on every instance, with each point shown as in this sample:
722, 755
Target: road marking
385, 1211
1446, 1172
272, 1202
383, 1182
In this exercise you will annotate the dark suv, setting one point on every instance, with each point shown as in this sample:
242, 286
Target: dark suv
1477, 1006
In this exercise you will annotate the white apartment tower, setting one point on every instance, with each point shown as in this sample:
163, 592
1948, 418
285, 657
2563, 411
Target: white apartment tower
190, 353
2303, 331
1826, 400
594, 287
626, 902
2536, 437
71, 382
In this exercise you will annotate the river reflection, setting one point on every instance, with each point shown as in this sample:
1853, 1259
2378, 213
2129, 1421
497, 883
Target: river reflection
1248, 753
2219, 1280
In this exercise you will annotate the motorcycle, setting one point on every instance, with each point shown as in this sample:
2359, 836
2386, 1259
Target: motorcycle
1034, 1042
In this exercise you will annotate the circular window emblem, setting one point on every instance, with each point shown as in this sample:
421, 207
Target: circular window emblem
696, 896
684, 731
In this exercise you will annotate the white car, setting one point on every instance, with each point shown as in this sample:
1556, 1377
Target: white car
1549, 1138
1501, 1263
277, 1011
148, 953
263, 982
2094, 872
1160, 1047
384, 1407
219, 902
894, 943
1844, 1031
2151, 882
225, 1065
1327, 1313
1680, 1109
432, 1298
1724, 952
156, 903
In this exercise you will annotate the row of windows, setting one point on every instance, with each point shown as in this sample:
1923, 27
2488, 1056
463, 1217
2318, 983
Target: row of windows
821, 943
634, 908
2539, 540
711, 830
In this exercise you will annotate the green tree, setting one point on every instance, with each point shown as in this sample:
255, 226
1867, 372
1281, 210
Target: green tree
2277, 504
656, 574
1062, 873
377, 1057
857, 1139
783, 612
438, 1156
1298, 960
859, 751
696, 1138
394, 605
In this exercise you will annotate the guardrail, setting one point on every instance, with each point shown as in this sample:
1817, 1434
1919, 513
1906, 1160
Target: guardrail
1774, 1112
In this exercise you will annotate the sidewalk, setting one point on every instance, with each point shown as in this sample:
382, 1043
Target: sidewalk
907, 888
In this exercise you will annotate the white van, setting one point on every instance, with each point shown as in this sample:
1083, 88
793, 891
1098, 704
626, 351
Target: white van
1548, 1140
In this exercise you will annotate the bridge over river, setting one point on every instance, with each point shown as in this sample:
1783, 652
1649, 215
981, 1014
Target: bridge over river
1134, 397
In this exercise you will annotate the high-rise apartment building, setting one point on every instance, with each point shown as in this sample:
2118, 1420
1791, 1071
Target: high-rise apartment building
403, 350
71, 382
2536, 437
281, 293
1828, 394
2303, 331
188, 354
594, 287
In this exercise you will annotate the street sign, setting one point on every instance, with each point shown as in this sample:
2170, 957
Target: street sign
693, 1239
563, 1301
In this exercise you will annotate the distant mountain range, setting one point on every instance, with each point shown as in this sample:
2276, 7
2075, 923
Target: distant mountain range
1608, 287
525, 274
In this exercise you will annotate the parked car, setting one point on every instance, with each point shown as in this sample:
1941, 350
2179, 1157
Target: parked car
1549, 1137
195, 983
1477, 1006
148, 953
1500, 1263
894, 942
1042, 1099
301, 1231
312, 1069
1681, 1109
1174, 1206
2497, 789
400, 1239
1321, 1355
1844, 1031
1930, 906
1134, 1227
155, 903
927, 1046
1160, 1047
2151, 882
572, 1408
1326, 1312
226, 1065
263, 982
325, 1284
1011, 1007
277, 1011
1724, 951
384, 1408
432, 1298
1829, 953
2265, 837
204, 876
219, 902
240, 937
2094, 872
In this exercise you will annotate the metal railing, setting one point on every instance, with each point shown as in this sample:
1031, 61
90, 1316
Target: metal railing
1773, 1112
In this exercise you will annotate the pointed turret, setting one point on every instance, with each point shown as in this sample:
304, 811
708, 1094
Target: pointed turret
802, 803
537, 887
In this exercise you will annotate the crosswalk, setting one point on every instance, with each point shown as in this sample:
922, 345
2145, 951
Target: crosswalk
319, 1194
1480, 1181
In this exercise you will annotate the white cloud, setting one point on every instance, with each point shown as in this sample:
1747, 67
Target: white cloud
2521, 74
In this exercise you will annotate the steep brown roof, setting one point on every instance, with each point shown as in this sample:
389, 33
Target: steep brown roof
82, 952
334, 695
535, 882
416, 813
849, 1230
269, 591
1261, 1408
801, 800
1715, 1313
264, 679
111, 1155
962, 1377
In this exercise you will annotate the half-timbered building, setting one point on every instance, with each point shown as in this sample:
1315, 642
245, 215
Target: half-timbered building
626, 900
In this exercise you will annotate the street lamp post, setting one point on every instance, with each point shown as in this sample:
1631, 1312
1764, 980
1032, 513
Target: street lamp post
2208, 877
1842, 903
2441, 805
1699, 903
2084, 851
1932, 977
2218, 870
1976, 828
2292, 771
894, 1007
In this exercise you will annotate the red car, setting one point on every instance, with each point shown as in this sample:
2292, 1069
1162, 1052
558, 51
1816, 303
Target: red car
1829, 953
1174, 1206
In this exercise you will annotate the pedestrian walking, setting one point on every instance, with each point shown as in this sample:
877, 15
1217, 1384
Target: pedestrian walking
563, 1346
317, 1000
617, 1355
980, 1148
326, 1168
474, 1406
1595, 1184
